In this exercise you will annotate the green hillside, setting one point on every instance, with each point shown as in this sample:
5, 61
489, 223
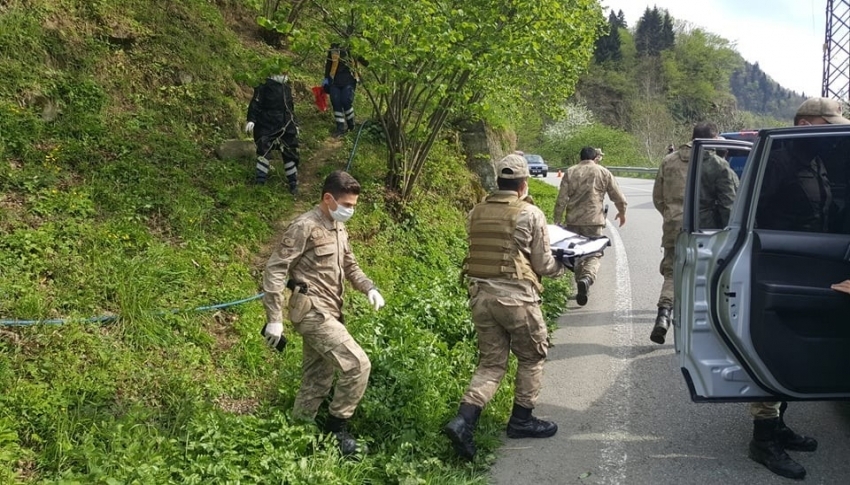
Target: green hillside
113, 203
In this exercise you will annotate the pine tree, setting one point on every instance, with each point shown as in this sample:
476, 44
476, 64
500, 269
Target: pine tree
621, 20
642, 33
650, 35
608, 46
668, 37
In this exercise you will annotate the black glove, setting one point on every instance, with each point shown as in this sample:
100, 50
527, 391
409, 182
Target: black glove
563, 257
559, 254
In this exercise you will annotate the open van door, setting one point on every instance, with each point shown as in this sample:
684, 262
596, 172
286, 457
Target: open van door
754, 313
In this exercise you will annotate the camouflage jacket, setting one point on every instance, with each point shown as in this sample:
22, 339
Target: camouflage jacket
582, 195
718, 186
314, 250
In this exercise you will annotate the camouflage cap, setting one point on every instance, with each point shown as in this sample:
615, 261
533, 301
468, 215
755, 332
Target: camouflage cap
828, 109
512, 167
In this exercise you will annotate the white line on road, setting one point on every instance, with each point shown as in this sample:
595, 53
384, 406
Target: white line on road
614, 449
630, 187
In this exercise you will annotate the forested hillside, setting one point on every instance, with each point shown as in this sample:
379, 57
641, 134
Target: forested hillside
758, 93
648, 83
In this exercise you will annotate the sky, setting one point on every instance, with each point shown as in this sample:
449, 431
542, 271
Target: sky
785, 37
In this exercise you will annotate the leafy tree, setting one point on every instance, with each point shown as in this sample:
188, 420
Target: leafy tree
697, 73
432, 59
278, 19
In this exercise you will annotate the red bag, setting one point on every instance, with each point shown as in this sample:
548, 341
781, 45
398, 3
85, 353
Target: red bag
321, 98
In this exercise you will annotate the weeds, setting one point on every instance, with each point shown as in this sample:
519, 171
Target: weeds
112, 204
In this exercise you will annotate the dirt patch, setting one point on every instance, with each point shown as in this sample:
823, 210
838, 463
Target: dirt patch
26, 470
12, 202
12, 337
243, 23
222, 330
237, 406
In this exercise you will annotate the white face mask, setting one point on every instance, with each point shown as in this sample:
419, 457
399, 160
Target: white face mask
341, 214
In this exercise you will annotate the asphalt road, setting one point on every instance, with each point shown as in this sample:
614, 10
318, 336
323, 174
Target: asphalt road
621, 404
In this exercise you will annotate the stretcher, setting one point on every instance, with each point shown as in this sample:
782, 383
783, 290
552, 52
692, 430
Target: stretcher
574, 247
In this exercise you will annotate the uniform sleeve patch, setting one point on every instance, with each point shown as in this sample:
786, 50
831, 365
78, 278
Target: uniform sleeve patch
288, 242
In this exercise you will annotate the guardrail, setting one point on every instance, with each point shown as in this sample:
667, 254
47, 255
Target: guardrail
616, 170
619, 170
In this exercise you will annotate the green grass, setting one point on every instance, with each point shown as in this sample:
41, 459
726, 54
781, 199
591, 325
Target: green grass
118, 207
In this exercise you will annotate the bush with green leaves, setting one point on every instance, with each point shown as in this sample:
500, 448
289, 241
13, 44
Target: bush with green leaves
620, 147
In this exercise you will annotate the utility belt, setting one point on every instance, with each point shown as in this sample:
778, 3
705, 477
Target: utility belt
295, 285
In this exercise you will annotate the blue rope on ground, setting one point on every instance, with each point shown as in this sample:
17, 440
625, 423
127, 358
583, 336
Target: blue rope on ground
356, 141
111, 318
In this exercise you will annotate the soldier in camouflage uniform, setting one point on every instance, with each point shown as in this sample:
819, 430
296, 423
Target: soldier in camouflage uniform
313, 260
581, 196
508, 254
718, 186
795, 196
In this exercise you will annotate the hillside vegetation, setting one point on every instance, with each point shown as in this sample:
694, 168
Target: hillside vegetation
113, 204
648, 84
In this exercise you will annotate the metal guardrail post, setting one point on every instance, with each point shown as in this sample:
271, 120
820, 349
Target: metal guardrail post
649, 170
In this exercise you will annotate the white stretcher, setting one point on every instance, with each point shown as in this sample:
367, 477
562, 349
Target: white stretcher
575, 247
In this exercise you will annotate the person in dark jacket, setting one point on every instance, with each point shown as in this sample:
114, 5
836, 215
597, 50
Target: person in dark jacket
271, 119
340, 82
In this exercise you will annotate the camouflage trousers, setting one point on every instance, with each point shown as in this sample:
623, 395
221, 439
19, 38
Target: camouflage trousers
765, 410
328, 349
589, 266
505, 325
666, 269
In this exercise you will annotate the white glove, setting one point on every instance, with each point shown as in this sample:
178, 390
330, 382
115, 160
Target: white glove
249, 127
375, 299
273, 334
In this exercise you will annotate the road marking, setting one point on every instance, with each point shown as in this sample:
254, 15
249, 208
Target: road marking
635, 188
616, 416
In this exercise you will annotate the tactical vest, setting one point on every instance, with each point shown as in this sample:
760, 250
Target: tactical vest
493, 252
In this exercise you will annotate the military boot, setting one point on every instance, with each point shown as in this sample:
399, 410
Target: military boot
789, 439
350, 124
340, 130
339, 428
765, 448
460, 429
662, 323
583, 285
523, 425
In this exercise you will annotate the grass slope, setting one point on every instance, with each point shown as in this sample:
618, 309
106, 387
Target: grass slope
111, 203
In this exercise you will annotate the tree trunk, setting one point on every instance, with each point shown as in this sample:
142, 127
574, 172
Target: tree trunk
482, 146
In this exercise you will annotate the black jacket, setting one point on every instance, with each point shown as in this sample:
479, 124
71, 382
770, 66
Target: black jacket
345, 75
272, 108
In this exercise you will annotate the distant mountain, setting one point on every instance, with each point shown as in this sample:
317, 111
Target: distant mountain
756, 92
